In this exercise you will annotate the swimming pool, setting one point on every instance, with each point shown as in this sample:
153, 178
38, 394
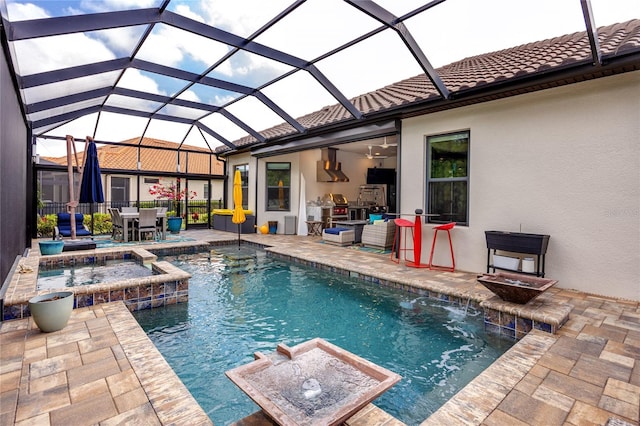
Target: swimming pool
241, 302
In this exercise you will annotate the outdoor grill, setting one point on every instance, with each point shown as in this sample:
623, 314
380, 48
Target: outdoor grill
338, 210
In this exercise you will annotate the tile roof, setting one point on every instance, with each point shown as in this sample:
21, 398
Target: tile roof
125, 156
486, 71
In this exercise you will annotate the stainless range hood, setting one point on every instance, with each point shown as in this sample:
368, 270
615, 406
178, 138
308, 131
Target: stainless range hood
329, 170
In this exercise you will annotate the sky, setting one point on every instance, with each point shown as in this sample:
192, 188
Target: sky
447, 32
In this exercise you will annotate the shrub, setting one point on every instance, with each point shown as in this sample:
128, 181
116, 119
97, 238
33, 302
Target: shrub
46, 224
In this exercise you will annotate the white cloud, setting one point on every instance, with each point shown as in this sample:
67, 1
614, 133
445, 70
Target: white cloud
23, 11
94, 6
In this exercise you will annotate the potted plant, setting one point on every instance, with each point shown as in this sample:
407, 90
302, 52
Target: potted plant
49, 247
174, 195
51, 311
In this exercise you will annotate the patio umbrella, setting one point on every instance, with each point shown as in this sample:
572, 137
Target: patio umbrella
281, 194
91, 185
238, 212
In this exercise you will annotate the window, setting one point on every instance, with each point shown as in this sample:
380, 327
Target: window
278, 186
152, 180
119, 191
244, 174
448, 177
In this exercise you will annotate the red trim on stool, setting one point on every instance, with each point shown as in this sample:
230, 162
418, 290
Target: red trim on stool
446, 227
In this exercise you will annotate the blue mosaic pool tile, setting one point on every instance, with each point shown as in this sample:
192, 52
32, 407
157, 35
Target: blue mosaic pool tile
144, 291
507, 320
131, 293
491, 328
543, 326
492, 316
115, 295
524, 325
508, 332
144, 304
16, 312
84, 300
101, 297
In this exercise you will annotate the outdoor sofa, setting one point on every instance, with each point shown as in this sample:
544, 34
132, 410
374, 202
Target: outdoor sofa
222, 221
339, 236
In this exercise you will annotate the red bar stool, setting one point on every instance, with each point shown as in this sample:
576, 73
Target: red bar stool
446, 227
401, 224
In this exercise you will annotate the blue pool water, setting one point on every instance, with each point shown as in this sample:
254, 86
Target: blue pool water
241, 302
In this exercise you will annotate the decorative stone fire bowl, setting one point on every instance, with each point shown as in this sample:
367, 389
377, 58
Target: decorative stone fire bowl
516, 288
313, 383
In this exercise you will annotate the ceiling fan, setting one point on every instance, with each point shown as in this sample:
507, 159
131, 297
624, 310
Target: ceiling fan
386, 145
371, 156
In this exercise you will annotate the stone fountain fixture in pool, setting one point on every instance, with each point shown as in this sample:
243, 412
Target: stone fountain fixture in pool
516, 288
312, 383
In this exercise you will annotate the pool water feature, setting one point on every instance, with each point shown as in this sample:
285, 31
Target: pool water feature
99, 272
241, 301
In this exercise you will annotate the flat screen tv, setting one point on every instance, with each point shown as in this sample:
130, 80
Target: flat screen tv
376, 176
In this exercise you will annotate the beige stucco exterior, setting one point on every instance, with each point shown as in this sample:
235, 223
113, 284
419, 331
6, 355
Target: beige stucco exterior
562, 161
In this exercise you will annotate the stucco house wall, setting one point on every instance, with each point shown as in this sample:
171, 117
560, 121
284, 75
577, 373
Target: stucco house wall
563, 162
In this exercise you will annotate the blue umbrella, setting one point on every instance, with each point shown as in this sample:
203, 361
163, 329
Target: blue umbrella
91, 186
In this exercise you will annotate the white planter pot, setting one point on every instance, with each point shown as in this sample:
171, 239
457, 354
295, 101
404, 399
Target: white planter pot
51, 311
506, 262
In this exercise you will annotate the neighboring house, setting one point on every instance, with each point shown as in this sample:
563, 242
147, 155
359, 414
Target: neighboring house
122, 187
539, 138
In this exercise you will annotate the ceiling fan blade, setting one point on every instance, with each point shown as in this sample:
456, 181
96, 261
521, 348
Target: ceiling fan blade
386, 145
372, 156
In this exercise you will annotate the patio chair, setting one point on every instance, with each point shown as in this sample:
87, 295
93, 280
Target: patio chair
379, 234
114, 223
63, 226
118, 226
161, 211
146, 223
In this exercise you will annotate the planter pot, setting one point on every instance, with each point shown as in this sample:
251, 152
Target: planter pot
174, 224
49, 247
517, 242
51, 311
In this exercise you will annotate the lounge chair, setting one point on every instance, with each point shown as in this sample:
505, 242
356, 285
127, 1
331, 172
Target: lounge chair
63, 227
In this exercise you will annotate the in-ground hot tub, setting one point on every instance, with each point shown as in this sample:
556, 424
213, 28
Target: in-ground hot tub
167, 285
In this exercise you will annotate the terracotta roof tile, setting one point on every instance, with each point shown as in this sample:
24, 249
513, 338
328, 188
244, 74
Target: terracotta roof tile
474, 72
124, 157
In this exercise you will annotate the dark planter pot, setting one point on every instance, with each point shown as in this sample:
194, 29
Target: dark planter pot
49, 247
517, 242
51, 311
174, 224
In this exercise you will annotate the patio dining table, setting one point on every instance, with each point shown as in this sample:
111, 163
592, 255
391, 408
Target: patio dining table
129, 217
